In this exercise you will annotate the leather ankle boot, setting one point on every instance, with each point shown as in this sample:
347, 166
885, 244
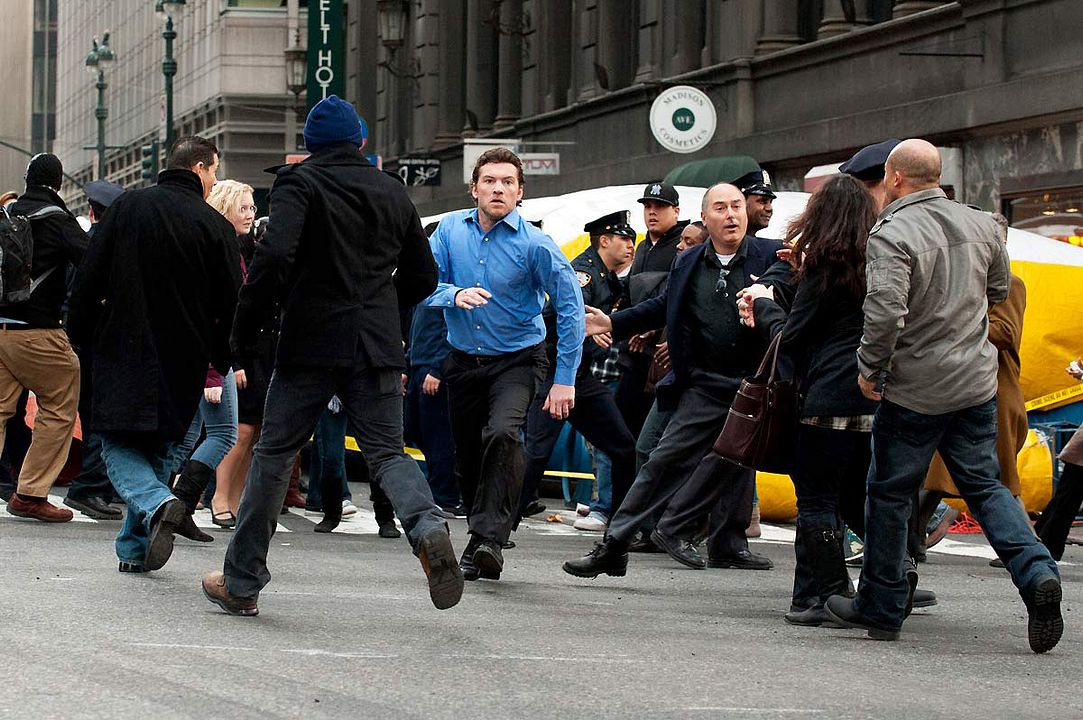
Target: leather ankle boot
609, 557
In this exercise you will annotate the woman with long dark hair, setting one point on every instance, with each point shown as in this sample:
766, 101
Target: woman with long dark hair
821, 332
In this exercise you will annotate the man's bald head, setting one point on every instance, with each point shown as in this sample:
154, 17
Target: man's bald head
913, 165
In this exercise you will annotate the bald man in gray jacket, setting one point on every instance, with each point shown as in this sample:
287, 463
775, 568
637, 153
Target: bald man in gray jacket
933, 268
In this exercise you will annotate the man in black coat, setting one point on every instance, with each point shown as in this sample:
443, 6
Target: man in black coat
153, 302
34, 350
344, 250
710, 351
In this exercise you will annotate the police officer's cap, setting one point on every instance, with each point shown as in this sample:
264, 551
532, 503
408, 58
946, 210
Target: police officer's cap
661, 192
757, 182
868, 162
102, 192
612, 224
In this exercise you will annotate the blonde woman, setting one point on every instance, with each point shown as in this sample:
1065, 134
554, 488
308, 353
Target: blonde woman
234, 200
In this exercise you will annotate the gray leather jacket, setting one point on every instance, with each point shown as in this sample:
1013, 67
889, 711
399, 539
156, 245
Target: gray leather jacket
933, 268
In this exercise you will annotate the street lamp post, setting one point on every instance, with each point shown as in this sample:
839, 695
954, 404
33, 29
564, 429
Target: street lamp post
297, 73
169, 68
99, 58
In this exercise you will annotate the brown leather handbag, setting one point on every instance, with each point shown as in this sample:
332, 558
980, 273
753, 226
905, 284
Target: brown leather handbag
762, 420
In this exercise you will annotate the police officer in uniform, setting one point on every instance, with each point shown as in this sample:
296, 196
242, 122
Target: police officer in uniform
595, 415
759, 195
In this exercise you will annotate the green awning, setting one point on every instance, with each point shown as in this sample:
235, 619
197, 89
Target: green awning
704, 173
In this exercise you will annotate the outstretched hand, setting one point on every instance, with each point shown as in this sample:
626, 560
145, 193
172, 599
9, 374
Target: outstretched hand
597, 321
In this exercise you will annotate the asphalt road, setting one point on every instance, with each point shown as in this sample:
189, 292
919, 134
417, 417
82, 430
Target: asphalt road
346, 630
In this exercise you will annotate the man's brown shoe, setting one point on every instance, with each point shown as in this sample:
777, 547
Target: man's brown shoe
38, 509
441, 568
214, 589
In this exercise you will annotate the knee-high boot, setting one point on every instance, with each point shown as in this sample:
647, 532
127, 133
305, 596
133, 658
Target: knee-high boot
189, 487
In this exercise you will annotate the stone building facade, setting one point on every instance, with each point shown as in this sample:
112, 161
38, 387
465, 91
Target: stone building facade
796, 83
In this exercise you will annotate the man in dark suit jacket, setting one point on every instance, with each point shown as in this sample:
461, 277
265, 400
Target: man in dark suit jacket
710, 351
344, 250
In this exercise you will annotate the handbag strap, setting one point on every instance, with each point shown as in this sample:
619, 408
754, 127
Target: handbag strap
772, 356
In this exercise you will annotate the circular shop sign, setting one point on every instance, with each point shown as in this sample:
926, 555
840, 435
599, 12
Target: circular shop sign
683, 119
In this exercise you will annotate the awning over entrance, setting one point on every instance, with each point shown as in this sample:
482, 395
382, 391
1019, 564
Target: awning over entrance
704, 173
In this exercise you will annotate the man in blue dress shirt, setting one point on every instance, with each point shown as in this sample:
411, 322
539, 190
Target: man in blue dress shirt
495, 272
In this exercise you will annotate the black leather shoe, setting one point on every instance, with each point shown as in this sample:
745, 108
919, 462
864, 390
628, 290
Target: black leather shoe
1045, 624
466, 562
809, 617
489, 560
94, 507
679, 549
743, 560
388, 530
910, 571
127, 567
534, 508
841, 610
644, 545
924, 598
608, 557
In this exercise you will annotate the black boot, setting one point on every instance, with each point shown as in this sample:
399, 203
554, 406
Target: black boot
188, 529
823, 546
331, 497
384, 511
1056, 520
609, 557
190, 484
188, 488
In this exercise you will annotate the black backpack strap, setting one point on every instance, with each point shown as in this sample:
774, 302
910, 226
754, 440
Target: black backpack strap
46, 212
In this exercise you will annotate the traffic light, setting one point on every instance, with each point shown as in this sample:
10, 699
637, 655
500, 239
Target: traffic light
150, 161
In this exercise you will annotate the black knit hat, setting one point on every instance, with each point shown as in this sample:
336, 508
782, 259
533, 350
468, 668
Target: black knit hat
45, 169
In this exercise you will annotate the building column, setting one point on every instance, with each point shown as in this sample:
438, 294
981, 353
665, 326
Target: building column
834, 21
909, 7
509, 84
449, 122
616, 28
779, 26
481, 49
554, 55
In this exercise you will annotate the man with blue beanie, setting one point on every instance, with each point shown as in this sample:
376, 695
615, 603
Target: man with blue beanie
344, 250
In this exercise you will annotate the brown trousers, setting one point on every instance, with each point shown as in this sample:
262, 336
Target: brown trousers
43, 362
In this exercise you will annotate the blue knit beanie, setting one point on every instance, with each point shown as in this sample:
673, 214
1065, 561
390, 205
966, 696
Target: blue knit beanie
333, 120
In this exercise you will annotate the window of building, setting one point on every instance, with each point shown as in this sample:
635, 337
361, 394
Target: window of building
1057, 214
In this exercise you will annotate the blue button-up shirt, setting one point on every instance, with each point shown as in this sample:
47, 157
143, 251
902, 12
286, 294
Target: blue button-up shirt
518, 264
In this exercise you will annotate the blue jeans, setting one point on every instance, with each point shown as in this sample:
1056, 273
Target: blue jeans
903, 442
220, 419
140, 473
328, 458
